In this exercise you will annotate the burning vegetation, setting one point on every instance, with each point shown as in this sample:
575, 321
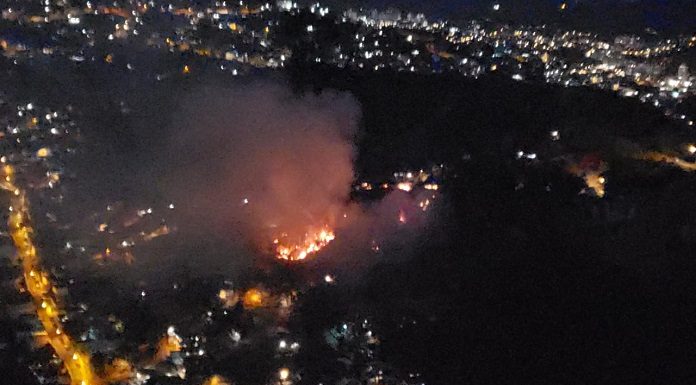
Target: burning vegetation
279, 176
295, 251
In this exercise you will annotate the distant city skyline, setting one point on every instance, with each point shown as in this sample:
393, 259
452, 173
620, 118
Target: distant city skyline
611, 16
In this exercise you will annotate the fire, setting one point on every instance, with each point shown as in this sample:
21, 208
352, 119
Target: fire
254, 298
424, 204
158, 232
312, 243
405, 186
216, 380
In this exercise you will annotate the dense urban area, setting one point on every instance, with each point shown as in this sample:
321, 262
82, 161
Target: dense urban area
492, 202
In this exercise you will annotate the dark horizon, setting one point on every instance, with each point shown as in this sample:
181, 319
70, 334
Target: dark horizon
604, 16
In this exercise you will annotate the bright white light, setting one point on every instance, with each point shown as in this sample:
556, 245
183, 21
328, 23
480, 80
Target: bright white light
404, 186
496, 7
284, 374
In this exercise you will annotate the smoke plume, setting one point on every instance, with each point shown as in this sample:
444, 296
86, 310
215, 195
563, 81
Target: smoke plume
259, 160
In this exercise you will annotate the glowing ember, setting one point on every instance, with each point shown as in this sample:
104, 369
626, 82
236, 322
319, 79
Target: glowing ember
254, 298
216, 380
402, 216
424, 204
405, 186
312, 243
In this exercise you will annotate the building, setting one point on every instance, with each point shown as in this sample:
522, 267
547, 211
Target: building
683, 72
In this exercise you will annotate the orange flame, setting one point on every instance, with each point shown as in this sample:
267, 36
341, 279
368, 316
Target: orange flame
254, 298
312, 243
